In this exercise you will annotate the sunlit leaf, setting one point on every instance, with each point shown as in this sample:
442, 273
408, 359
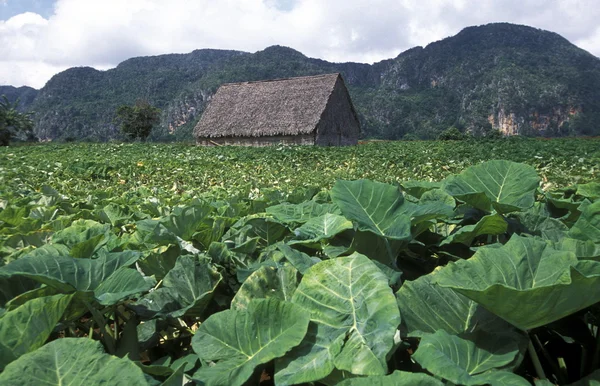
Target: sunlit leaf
267, 282
397, 378
375, 207
461, 361
27, 327
501, 185
526, 271
350, 302
72, 361
186, 290
238, 341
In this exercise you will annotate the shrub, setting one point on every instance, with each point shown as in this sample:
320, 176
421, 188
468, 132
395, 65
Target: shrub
410, 137
451, 134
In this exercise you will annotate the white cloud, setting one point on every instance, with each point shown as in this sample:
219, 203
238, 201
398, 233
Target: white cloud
103, 33
34, 73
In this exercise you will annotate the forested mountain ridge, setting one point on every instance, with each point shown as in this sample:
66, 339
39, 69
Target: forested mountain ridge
517, 79
24, 95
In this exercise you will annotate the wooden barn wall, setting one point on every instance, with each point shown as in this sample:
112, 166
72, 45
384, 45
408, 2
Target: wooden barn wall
338, 126
308, 139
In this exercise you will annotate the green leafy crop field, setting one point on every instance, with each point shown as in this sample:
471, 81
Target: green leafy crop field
388, 263
118, 168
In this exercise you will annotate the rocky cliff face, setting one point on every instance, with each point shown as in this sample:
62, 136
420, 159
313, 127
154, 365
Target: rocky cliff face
186, 109
550, 123
515, 79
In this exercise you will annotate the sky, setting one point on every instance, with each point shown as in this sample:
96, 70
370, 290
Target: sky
39, 38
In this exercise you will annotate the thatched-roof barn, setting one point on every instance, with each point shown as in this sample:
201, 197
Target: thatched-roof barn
311, 110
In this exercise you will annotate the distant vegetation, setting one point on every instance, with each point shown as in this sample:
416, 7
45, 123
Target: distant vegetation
13, 123
499, 76
137, 121
234, 170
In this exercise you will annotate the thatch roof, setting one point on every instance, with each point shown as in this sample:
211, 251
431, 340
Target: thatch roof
277, 107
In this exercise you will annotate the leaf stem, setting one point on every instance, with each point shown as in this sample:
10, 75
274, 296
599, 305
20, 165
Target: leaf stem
390, 254
536, 360
116, 322
596, 358
560, 374
107, 338
563, 371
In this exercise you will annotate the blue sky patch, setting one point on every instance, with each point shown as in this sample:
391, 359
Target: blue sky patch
10, 8
281, 5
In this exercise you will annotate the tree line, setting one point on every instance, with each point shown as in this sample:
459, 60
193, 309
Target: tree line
14, 123
136, 122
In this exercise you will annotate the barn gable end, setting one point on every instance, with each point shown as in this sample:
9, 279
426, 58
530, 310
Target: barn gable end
305, 110
339, 124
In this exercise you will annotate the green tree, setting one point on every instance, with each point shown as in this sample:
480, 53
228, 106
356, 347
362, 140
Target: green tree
13, 123
451, 134
138, 120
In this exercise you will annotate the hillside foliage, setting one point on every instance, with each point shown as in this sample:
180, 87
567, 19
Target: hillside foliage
498, 76
137, 121
13, 123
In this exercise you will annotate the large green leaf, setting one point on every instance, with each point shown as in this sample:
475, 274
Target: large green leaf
185, 221
583, 249
153, 232
374, 206
114, 214
11, 287
72, 361
14, 216
567, 209
123, 283
267, 282
418, 188
591, 380
159, 261
427, 210
438, 196
178, 378
107, 276
186, 290
377, 248
301, 261
321, 228
313, 359
489, 225
238, 341
397, 378
590, 191
212, 229
501, 378
501, 185
27, 327
266, 230
427, 308
350, 301
432, 208
17, 242
460, 360
588, 225
45, 265
291, 214
543, 284
546, 227
83, 237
